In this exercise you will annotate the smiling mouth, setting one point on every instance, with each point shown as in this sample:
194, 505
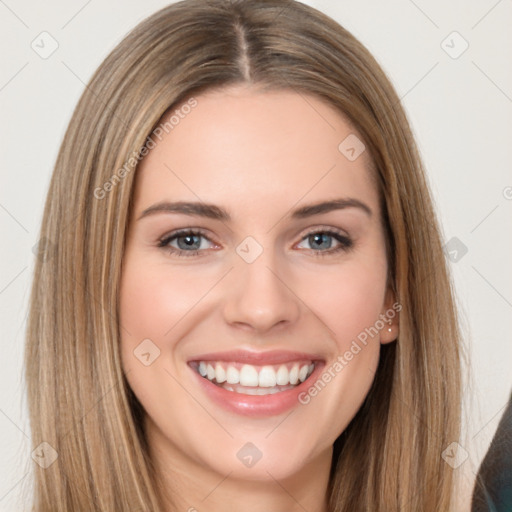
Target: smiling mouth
251, 379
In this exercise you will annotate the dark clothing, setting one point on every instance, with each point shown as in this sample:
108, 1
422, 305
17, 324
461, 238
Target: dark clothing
493, 487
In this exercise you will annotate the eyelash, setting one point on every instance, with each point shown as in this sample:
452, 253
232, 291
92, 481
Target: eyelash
345, 242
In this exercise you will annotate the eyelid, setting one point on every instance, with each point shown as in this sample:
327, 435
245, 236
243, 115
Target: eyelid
345, 241
330, 230
163, 240
322, 227
302, 233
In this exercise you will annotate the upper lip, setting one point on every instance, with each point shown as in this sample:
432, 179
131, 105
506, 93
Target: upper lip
257, 358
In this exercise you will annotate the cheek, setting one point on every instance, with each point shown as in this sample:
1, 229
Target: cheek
148, 309
348, 298
154, 298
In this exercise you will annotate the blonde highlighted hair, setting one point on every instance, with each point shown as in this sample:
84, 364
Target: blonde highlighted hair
389, 457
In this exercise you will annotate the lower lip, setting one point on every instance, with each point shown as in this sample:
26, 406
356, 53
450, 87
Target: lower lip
257, 405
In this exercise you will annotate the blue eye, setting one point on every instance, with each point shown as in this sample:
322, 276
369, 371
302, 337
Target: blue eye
323, 240
189, 242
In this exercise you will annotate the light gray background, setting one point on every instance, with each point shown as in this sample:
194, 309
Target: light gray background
460, 109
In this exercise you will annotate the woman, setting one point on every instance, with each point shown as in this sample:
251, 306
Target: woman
218, 378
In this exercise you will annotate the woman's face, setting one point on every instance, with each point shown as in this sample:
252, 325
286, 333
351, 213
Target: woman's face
282, 279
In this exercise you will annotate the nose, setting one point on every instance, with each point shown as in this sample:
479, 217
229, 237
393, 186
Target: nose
260, 295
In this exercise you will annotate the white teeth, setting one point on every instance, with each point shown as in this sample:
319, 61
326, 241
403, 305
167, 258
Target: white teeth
248, 375
282, 376
294, 374
303, 373
210, 372
232, 375
255, 391
265, 377
220, 373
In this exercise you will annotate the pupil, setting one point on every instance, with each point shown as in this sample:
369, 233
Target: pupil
189, 240
318, 239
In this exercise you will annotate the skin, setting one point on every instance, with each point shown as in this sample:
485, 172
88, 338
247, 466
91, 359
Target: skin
259, 155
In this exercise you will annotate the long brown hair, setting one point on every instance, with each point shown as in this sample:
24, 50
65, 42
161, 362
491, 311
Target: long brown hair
389, 457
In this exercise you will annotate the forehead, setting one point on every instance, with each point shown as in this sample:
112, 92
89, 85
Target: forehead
251, 149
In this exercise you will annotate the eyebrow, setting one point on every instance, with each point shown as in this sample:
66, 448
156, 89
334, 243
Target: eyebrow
215, 212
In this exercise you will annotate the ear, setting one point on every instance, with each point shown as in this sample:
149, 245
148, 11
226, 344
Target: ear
391, 317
